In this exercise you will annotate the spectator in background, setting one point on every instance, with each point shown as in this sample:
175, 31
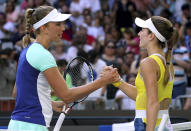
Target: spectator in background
142, 5
11, 11
123, 14
182, 11
187, 66
94, 5
98, 47
185, 62
58, 4
129, 58
89, 38
59, 51
159, 5
122, 100
131, 40
41, 3
88, 24
68, 32
186, 11
61, 67
188, 36
76, 9
6, 28
166, 14
69, 26
79, 47
27, 4
180, 82
120, 53
136, 63
115, 34
100, 15
7, 72
96, 30
180, 77
96, 99
16, 38
121, 49
108, 22
111, 59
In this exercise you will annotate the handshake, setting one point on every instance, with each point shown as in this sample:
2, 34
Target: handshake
110, 75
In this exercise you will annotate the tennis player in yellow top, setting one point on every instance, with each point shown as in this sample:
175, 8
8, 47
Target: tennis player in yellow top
154, 81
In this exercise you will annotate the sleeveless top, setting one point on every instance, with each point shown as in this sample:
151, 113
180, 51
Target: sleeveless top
163, 91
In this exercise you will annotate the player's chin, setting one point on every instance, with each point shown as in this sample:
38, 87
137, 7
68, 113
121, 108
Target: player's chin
141, 45
57, 39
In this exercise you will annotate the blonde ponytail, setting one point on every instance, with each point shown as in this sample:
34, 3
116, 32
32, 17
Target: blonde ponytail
28, 18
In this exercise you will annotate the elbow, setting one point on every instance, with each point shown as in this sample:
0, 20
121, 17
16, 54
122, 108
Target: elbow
14, 95
67, 97
67, 100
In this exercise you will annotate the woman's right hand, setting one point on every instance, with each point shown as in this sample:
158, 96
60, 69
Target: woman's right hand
109, 75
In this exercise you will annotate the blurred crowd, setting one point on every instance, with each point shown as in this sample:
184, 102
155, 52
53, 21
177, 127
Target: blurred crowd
102, 31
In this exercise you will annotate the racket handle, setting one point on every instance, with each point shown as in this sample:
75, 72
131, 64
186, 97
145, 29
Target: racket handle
67, 110
60, 120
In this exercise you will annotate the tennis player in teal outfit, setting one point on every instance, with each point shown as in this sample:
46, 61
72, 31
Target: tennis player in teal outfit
37, 71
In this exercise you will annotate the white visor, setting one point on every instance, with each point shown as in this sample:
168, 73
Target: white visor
149, 24
53, 16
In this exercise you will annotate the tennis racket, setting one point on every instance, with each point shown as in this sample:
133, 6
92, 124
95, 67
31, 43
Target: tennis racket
79, 72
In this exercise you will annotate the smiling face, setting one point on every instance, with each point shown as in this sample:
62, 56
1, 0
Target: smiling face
143, 35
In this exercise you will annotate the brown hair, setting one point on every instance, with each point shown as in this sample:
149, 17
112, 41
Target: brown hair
31, 17
165, 27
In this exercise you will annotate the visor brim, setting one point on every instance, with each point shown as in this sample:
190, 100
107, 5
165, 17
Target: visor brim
141, 23
61, 17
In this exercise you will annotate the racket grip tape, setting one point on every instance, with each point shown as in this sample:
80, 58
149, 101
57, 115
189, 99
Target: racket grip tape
67, 110
60, 120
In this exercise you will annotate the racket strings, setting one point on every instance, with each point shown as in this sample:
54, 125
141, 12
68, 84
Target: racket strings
76, 72
80, 73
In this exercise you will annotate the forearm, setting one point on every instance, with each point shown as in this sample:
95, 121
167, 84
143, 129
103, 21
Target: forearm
103, 90
181, 63
152, 113
69, 95
14, 93
5, 31
82, 91
132, 42
128, 89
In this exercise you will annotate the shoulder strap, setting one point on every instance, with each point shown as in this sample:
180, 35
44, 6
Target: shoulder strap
162, 57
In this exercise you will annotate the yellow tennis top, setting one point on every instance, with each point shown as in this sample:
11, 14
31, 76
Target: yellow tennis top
163, 91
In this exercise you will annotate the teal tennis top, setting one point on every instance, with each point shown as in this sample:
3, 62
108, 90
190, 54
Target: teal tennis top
33, 101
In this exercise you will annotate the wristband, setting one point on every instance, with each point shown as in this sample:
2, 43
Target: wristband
118, 83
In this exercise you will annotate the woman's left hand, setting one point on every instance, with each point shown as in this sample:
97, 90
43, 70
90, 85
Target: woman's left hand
58, 106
